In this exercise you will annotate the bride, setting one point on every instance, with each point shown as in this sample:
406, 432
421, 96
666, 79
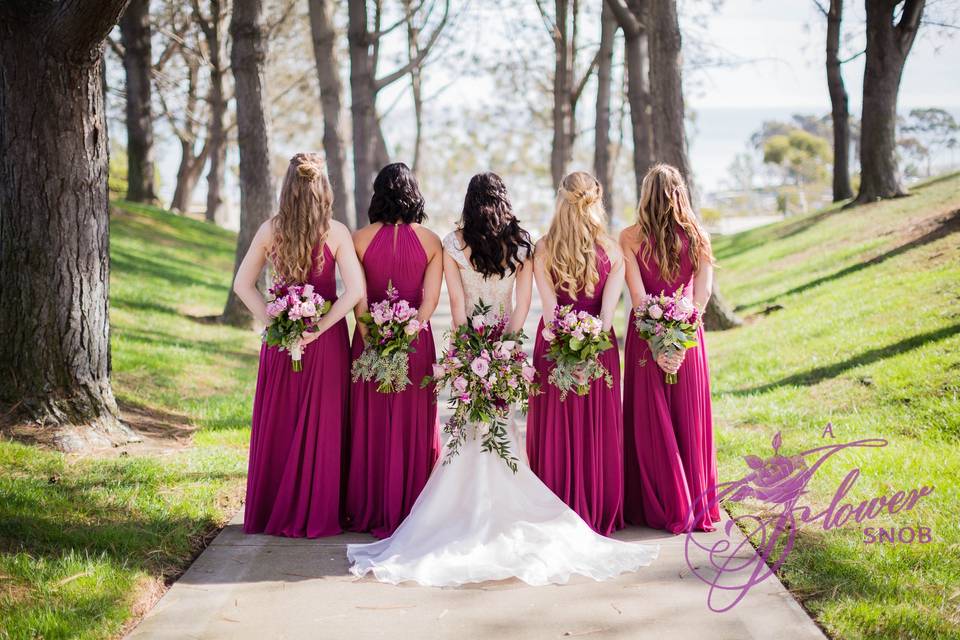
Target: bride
476, 520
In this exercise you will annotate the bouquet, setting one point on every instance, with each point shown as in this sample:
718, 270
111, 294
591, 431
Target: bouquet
668, 324
576, 341
294, 309
486, 371
392, 327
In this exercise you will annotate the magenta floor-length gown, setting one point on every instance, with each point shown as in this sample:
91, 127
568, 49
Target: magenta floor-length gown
669, 459
575, 446
293, 481
394, 439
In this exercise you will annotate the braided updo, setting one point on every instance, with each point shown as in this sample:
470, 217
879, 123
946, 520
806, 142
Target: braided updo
303, 217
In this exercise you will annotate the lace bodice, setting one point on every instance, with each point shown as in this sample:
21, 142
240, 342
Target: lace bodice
494, 291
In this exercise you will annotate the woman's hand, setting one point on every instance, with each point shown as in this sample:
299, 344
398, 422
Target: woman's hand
310, 336
670, 362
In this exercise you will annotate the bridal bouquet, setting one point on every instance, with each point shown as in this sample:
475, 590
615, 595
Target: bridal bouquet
392, 327
576, 341
668, 324
293, 309
486, 371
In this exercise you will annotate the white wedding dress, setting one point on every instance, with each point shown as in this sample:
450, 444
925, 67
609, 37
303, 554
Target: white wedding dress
476, 520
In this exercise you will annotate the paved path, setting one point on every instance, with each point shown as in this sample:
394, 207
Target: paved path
267, 588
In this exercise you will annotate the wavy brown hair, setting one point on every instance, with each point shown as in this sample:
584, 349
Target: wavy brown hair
578, 226
303, 217
498, 244
664, 206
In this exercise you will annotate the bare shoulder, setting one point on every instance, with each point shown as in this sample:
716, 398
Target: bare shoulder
338, 235
630, 238
538, 248
363, 235
429, 239
264, 235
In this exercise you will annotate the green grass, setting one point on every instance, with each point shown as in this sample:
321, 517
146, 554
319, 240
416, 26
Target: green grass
87, 542
868, 339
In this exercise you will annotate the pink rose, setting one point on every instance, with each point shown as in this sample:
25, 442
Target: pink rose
655, 311
411, 328
480, 366
548, 334
308, 309
439, 370
528, 373
460, 384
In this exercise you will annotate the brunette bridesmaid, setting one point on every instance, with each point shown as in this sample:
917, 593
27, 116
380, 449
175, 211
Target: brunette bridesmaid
670, 462
575, 446
394, 439
298, 417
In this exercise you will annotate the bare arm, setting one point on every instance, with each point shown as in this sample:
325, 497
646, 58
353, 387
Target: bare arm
432, 280
611, 292
632, 269
451, 272
350, 272
359, 242
548, 295
523, 292
703, 284
245, 282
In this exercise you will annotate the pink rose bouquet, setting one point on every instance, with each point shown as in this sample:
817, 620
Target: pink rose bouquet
486, 371
576, 340
294, 309
668, 324
392, 326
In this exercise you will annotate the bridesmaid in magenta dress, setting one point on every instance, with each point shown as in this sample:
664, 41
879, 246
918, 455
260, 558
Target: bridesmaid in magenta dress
576, 446
669, 458
293, 483
394, 437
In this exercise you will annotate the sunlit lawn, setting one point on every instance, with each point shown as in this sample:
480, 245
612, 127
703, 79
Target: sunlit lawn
868, 339
85, 542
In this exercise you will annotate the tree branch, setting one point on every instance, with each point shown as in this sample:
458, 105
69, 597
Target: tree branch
628, 22
402, 21
575, 96
547, 22
421, 57
81, 26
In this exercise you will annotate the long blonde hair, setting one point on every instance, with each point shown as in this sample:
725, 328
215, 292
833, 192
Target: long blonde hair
665, 205
578, 226
303, 218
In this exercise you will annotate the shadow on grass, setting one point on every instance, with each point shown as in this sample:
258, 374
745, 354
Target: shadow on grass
943, 227
161, 339
814, 376
168, 269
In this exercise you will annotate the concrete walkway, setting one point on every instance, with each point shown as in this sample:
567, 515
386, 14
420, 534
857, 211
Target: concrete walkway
266, 588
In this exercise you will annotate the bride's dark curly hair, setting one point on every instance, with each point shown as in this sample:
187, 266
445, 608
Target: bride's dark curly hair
396, 196
490, 229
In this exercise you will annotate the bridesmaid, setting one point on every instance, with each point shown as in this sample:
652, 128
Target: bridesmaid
298, 418
394, 439
670, 462
575, 446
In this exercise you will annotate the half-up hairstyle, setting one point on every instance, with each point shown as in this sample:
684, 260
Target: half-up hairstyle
396, 196
578, 226
665, 206
303, 217
498, 244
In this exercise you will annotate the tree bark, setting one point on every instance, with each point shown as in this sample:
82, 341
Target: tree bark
248, 56
137, 63
839, 103
188, 174
669, 133
362, 107
216, 129
416, 89
54, 221
328, 74
602, 165
888, 44
632, 19
562, 148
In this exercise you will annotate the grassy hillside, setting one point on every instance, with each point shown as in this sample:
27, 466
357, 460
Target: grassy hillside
854, 319
87, 542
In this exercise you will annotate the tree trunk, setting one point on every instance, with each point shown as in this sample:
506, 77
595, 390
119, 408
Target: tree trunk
416, 89
137, 63
188, 174
216, 130
257, 197
328, 74
888, 44
840, 112
669, 133
561, 150
602, 166
362, 108
54, 222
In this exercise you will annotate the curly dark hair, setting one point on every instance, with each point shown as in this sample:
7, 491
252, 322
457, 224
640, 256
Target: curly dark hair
490, 229
396, 196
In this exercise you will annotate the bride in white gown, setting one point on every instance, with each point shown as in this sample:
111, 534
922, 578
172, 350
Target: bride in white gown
477, 520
